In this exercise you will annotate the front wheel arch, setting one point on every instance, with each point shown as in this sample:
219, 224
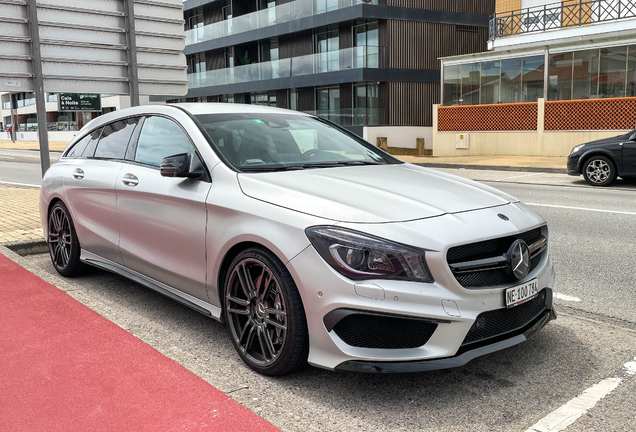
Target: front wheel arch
586, 157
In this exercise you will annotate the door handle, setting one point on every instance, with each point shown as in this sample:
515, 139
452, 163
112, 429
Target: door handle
78, 173
130, 180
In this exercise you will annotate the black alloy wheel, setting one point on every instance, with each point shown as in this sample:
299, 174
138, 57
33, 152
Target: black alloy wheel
599, 171
264, 313
63, 243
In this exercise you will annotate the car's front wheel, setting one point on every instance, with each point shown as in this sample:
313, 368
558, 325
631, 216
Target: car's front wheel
63, 243
599, 171
264, 313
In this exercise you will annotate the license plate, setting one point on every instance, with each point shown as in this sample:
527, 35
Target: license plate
522, 293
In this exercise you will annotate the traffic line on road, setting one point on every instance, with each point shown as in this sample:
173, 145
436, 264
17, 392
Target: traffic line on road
519, 176
582, 208
20, 184
566, 297
567, 414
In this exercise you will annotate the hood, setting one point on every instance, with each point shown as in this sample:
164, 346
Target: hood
612, 140
371, 194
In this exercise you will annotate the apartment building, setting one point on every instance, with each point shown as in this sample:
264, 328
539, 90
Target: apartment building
555, 75
371, 66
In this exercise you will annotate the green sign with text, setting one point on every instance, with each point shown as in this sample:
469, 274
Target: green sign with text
79, 102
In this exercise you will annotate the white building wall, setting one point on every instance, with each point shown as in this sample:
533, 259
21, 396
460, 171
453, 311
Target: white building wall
400, 136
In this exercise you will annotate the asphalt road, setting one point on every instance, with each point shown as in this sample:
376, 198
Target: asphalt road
22, 166
592, 233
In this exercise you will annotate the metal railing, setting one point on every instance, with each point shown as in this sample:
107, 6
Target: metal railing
570, 13
267, 17
345, 59
352, 116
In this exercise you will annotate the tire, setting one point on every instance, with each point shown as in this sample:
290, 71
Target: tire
64, 246
264, 313
599, 171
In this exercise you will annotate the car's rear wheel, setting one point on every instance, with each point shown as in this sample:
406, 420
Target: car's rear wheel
264, 313
599, 171
63, 242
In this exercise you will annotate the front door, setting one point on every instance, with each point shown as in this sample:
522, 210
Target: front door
162, 220
629, 154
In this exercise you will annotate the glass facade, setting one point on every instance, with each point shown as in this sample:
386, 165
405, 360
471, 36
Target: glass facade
585, 74
498, 81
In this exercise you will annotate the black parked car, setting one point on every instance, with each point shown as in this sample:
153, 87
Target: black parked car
603, 160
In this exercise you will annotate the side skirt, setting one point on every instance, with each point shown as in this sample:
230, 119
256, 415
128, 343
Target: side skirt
186, 299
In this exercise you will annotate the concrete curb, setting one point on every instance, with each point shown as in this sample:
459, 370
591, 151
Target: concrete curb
28, 247
495, 167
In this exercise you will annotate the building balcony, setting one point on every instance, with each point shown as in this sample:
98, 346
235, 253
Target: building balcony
346, 59
561, 15
353, 116
268, 17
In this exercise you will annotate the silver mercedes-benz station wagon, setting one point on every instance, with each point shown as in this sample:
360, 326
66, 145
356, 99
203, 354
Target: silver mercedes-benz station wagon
310, 244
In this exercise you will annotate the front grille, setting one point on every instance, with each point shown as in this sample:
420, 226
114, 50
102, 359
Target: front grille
497, 322
489, 249
376, 331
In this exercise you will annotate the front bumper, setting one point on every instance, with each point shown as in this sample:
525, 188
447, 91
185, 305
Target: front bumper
324, 292
450, 362
573, 165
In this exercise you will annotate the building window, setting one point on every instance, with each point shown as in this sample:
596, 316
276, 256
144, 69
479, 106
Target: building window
323, 6
560, 76
366, 41
490, 82
511, 72
196, 63
194, 19
366, 104
585, 74
453, 85
293, 100
327, 46
612, 72
328, 99
532, 79
470, 77
266, 99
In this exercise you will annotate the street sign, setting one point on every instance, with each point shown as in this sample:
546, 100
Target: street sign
79, 102
94, 46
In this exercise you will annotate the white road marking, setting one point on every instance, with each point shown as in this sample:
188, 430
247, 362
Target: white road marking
583, 208
6, 157
525, 175
570, 412
566, 297
20, 184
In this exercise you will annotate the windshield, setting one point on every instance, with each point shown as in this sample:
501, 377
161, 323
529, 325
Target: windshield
270, 142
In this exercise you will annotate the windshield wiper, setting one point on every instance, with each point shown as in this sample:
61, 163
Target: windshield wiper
307, 165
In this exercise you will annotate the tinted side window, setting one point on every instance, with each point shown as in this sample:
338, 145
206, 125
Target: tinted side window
159, 138
79, 147
89, 151
114, 140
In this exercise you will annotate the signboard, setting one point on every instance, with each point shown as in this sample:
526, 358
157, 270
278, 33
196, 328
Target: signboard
127, 47
79, 102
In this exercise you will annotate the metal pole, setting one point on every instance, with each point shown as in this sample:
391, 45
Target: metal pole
133, 74
546, 74
14, 116
45, 159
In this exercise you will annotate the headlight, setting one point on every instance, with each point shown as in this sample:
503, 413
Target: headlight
361, 256
577, 148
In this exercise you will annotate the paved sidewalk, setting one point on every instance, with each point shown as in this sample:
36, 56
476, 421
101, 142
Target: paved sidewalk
67, 368
32, 145
19, 214
505, 163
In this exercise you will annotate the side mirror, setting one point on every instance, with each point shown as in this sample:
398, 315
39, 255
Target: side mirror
178, 166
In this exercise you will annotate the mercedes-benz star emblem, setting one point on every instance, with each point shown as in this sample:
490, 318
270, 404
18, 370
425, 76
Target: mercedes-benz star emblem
519, 259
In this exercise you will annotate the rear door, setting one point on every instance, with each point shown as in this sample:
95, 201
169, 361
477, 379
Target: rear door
90, 187
162, 220
629, 154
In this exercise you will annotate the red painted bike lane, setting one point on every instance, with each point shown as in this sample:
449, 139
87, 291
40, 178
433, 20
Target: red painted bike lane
63, 367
